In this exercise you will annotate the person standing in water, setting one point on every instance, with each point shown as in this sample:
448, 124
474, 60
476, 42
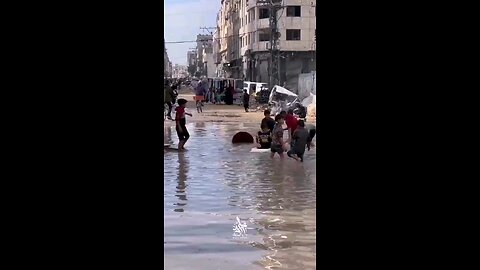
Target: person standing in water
267, 121
278, 144
181, 123
300, 139
264, 140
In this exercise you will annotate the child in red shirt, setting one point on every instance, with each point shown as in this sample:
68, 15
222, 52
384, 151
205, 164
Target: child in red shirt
180, 127
291, 122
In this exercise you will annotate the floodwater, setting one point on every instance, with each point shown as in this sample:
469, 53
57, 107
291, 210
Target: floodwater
214, 182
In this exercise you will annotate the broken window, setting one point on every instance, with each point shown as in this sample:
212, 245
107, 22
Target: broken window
293, 34
294, 11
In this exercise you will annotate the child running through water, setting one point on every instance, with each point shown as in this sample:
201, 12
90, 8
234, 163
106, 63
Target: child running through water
180, 127
264, 139
278, 144
300, 139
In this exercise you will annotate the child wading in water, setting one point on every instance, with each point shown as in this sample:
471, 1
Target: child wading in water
180, 127
264, 139
300, 139
278, 144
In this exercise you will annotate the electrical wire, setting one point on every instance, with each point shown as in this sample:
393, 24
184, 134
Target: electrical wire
211, 39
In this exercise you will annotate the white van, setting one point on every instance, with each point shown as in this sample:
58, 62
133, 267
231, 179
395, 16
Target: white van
254, 87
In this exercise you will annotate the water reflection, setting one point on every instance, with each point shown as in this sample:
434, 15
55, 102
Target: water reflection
223, 181
181, 178
167, 135
200, 129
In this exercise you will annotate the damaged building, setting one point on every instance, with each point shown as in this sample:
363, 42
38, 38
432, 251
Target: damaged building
244, 45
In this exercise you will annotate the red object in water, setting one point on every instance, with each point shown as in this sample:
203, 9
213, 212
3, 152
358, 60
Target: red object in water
242, 137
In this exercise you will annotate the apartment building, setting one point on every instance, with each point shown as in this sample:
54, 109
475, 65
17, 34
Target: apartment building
226, 40
208, 62
250, 54
191, 62
167, 65
203, 41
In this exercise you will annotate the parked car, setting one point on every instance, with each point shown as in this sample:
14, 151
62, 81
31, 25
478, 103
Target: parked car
253, 88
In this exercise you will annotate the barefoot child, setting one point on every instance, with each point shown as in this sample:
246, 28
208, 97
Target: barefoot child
180, 127
300, 139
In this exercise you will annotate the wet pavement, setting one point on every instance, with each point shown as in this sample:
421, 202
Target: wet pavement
214, 182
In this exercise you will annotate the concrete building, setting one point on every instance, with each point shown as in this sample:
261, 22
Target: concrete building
165, 60
246, 50
217, 59
209, 68
228, 57
179, 71
203, 41
167, 64
192, 62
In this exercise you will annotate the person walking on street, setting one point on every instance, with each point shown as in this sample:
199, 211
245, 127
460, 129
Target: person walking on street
199, 96
246, 100
169, 97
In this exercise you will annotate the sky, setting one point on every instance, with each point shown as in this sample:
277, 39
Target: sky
182, 22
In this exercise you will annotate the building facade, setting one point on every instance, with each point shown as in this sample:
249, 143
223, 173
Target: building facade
167, 64
209, 68
191, 62
246, 49
203, 41
179, 71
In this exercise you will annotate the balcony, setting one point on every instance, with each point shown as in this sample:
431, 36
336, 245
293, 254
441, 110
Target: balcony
262, 23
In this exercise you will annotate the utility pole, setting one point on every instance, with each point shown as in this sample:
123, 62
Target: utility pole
274, 62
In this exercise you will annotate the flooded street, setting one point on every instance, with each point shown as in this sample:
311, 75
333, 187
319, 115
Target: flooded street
214, 182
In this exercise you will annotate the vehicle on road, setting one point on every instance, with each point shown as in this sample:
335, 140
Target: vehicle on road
254, 87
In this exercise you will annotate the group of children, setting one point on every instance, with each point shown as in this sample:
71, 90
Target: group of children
271, 135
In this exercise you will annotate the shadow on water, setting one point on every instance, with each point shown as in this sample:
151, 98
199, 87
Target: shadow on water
223, 181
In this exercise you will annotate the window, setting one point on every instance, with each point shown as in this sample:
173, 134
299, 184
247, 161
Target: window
263, 13
253, 14
263, 36
293, 34
315, 35
294, 11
